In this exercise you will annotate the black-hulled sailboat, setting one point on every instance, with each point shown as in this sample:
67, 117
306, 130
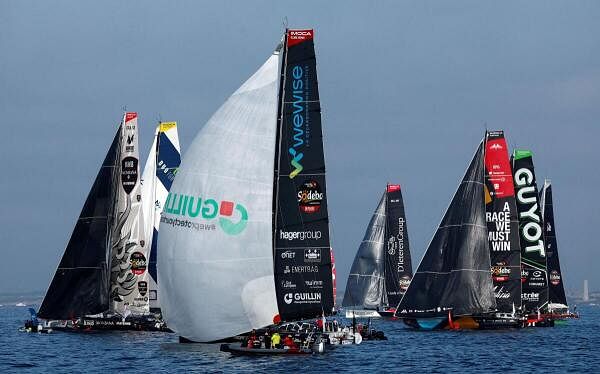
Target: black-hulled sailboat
534, 276
503, 234
244, 236
452, 286
382, 269
101, 282
558, 307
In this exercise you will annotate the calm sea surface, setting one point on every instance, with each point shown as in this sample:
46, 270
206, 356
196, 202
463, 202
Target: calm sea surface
574, 347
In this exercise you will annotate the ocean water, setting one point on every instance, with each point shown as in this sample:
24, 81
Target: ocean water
574, 347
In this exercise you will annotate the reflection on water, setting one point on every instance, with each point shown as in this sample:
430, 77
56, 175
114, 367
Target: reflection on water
571, 347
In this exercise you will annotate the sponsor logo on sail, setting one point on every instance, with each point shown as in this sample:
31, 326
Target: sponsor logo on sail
500, 272
531, 230
288, 255
314, 283
302, 298
530, 296
299, 118
404, 282
554, 277
300, 235
288, 284
138, 263
129, 173
312, 255
206, 209
299, 269
501, 293
310, 197
142, 287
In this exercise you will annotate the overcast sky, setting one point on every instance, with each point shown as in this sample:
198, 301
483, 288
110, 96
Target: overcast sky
407, 89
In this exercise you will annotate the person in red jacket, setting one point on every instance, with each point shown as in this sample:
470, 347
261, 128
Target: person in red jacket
289, 343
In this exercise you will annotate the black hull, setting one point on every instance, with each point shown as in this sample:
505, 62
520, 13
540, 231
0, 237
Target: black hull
243, 351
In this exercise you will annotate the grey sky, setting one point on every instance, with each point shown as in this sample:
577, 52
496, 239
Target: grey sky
406, 90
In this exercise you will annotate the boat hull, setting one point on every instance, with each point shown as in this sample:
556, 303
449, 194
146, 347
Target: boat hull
244, 351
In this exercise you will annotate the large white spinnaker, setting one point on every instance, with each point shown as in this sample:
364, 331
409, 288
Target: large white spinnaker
129, 250
162, 164
215, 262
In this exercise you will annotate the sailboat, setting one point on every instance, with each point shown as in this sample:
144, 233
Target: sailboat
382, 269
159, 172
101, 281
503, 233
558, 307
452, 286
534, 278
244, 234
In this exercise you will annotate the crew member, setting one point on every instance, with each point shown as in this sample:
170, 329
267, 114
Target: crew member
276, 340
289, 342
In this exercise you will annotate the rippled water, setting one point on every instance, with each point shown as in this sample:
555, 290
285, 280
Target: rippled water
574, 347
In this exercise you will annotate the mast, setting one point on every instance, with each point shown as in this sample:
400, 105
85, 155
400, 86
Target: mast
533, 252
80, 285
303, 269
398, 267
556, 291
454, 274
502, 223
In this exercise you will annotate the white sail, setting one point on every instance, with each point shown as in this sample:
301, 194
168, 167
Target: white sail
159, 172
129, 251
215, 262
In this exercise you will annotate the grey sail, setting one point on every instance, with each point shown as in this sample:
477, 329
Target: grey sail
366, 282
454, 274
80, 285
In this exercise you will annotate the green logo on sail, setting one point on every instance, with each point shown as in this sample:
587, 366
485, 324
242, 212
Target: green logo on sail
208, 209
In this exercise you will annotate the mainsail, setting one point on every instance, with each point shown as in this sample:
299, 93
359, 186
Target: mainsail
502, 223
80, 285
454, 274
398, 267
159, 173
302, 248
533, 252
556, 291
382, 270
129, 251
219, 262
366, 282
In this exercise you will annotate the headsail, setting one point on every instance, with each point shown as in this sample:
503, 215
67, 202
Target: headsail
215, 258
533, 252
556, 291
454, 274
366, 282
302, 248
398, 267
129, 251
159, 173
80, 285
502, 223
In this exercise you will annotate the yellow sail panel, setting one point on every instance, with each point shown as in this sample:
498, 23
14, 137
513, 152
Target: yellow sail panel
166, 126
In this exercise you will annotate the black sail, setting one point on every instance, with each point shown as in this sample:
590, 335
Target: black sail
556, 289
398, 267
454, 274
80, 284
303, 270
533, 252
366, 282
503, 223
